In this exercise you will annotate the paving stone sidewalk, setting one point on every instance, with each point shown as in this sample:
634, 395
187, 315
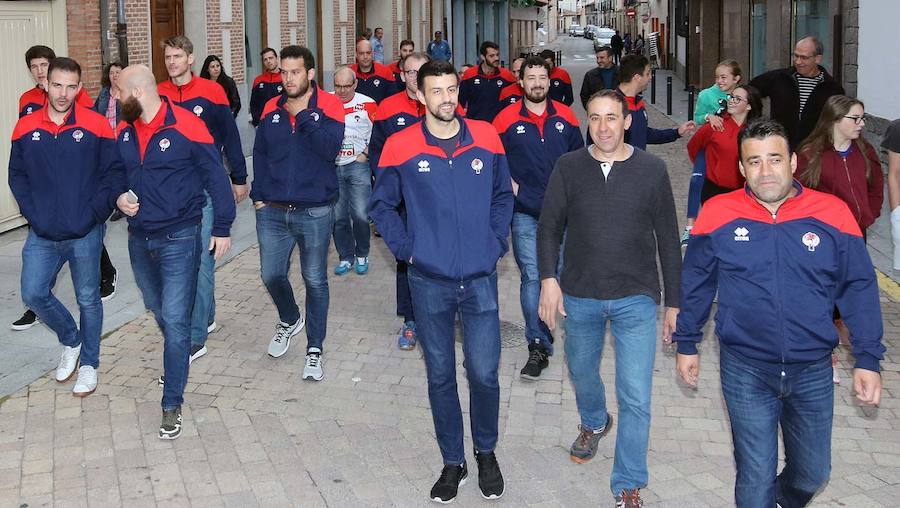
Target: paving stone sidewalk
257, 435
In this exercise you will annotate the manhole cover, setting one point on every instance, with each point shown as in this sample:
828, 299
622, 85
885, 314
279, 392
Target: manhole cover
511, 334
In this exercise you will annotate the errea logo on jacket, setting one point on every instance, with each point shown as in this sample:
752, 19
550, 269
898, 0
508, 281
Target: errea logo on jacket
741, 234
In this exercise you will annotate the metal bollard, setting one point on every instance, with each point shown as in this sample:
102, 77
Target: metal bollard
669, 95
653, 86
691, 90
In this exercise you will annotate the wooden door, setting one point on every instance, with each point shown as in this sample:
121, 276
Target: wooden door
166, 20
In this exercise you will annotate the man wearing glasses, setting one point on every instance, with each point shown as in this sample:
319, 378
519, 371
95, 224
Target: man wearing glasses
798, 93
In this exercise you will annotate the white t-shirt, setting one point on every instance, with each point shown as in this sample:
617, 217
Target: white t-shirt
359, 113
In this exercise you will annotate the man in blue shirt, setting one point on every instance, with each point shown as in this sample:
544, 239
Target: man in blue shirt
439, 49
378, 45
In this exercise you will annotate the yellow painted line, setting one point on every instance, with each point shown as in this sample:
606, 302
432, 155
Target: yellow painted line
888, 285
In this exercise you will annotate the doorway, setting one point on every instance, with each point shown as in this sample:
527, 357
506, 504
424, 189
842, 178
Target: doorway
166, 20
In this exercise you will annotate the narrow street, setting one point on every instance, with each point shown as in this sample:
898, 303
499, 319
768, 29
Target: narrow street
255, 434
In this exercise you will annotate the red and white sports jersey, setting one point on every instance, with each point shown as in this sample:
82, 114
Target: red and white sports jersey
359, 113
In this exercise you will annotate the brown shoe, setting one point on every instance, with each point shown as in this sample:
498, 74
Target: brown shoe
629, 498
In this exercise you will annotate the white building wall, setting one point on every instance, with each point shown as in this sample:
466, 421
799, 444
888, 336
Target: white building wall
877, 58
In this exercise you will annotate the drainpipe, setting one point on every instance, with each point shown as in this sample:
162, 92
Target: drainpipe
121, 31
104, 32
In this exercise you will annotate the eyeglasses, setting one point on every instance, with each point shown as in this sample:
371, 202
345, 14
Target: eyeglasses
343, 87
803, 57
736, 98
412, 73
856, 119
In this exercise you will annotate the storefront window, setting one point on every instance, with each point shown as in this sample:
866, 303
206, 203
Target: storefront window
811, 18
758, 63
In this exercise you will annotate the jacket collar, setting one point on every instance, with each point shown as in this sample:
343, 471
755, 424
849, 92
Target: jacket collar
313, 99
464, 136
550, 111
748, 192
68, 121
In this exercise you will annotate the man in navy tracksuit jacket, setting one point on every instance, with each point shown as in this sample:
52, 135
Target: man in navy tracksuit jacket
479, 92
208, 101
781, 257
373, 79
295, 188
453, 177
394, 114
634, 72
535, 133
64, 171
171, 159
266, 85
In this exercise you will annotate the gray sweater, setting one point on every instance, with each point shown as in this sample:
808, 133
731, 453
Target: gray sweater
615, 227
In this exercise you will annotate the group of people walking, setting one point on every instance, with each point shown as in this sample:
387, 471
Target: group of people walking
460, 162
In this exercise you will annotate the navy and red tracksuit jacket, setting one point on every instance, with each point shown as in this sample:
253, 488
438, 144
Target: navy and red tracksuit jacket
511, 94
561, 86
533, 144
395, 70
394, 114
66, 178
640, 134
36, 98
779, 277
207, 100
378, 83
265, 86
459, 208
479, 93
169, 163
294, 156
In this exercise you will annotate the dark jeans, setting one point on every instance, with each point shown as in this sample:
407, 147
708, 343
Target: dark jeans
351, 223
165, 270
107, 270
437, 303
711, 190
41, 261
279, 231
204, 312
404, 298
695, 190
759, 401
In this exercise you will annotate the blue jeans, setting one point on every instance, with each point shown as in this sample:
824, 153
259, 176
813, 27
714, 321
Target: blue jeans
524, 244
437, 303
633, 323
758, 401
698, 177
165, 270
351, 223
41, 261
204, 311
279, 231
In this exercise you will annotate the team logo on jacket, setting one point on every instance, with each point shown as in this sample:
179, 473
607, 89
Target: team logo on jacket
559, 126
198, 110
811, 240
477, 165
556, 83
477, 81
276, 118
262, 85
126, 137
315, 116
77, 135
512, 100
164, 144
376, 82
499, 82
279, 89
35, 136
423, 167
741, 234
29, 110
401, 121
520, 129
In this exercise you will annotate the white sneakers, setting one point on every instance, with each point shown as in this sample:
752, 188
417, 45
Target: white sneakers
313, 368
86, 382
68, 361
281, 341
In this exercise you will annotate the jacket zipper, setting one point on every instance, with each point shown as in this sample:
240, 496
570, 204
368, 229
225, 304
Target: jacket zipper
776, 231
852, 193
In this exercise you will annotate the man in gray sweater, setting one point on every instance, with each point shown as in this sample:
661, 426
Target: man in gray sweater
616, 203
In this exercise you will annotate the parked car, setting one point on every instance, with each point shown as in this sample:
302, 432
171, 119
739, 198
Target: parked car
603, 37
576, 31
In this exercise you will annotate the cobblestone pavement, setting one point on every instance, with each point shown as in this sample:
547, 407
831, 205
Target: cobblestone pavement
257, 435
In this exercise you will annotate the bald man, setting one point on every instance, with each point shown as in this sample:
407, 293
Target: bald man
170, 159
351, 223
373, 79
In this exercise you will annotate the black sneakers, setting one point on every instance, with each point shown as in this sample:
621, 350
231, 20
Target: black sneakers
452, 477
170, 427
28, 319
490, 481
108, 286
538, 359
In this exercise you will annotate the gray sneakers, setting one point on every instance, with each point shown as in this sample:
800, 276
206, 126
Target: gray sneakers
281, 341
585, 446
